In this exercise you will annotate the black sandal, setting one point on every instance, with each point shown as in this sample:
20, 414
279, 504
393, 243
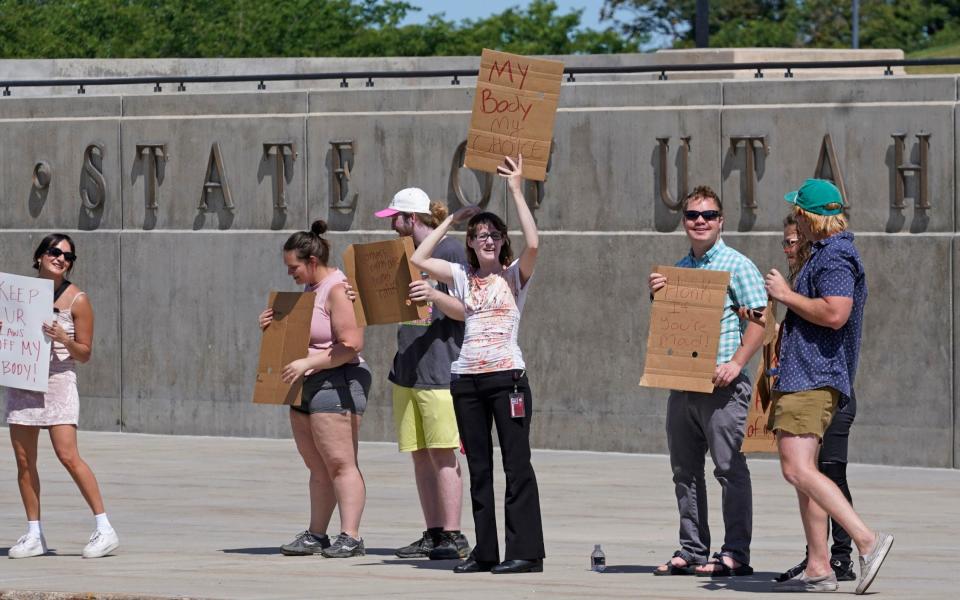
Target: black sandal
724, 569
672, 569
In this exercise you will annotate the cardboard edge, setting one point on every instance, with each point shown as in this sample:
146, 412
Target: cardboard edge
350, 269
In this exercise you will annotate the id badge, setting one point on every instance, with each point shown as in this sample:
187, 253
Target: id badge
517, 407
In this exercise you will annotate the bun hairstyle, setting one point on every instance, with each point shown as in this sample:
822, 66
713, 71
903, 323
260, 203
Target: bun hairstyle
438, 212
49, 242
494, 222
310, 243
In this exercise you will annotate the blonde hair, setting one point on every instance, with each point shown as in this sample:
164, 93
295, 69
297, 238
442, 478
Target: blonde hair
438, 212
823, 225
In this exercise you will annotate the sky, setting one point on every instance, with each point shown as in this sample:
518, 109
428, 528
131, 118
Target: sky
477, 9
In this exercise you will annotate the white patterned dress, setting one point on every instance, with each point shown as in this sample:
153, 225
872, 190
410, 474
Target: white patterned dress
60, 405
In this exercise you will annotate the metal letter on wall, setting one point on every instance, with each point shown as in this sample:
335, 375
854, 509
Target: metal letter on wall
93, 186
749, 197
683, 156
42, 175
828, 160
154, 157
342, 157
901, 170
215, 179
281, 152
483, 178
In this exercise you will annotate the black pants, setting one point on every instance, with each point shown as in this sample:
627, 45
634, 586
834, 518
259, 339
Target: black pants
479, 401
833, 463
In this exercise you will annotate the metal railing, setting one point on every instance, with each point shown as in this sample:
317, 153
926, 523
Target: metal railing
158, 81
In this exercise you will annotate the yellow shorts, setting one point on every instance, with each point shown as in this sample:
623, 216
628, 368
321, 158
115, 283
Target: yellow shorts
424, 419
807, 411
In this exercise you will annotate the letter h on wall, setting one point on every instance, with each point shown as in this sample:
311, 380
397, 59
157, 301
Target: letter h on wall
923, 200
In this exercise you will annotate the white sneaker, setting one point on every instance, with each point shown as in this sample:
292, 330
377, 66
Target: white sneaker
27, 546
101, 544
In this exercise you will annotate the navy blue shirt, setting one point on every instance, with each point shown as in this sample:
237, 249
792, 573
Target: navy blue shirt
812, 356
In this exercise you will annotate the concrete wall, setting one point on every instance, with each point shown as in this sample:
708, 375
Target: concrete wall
176, 290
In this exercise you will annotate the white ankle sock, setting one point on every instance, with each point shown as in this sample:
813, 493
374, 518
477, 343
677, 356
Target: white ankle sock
102, 523
34, 529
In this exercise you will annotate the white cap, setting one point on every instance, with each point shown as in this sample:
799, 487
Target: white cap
407, 200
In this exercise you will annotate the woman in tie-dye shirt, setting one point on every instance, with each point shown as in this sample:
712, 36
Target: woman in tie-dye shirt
489, 378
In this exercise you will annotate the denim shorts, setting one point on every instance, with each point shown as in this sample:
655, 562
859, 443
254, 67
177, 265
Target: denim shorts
340, 390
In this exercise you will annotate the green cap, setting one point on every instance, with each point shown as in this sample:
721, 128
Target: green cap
815, 195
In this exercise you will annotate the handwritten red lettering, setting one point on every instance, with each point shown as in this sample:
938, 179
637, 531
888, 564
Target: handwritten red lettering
491, 104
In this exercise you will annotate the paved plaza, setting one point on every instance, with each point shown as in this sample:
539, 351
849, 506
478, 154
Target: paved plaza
202, 517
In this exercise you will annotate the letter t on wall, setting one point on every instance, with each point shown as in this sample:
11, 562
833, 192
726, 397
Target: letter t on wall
281, 151
154, 156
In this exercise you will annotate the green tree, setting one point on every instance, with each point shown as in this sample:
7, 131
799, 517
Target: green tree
906, 24
264, 28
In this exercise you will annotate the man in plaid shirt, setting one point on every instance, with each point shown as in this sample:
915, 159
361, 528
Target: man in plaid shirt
699, 422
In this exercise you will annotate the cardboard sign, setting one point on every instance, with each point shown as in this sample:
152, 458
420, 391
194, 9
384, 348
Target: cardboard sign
685, 329
757, 437
25, 304
284, 341
380, 273
514, 108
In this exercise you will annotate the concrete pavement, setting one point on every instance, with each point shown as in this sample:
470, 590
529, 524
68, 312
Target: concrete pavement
203, 517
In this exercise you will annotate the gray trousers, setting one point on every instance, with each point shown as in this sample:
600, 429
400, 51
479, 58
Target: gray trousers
715, 422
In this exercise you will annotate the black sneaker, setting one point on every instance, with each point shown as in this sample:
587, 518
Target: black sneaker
418, 549
451, 545
344, 547
843, 569
791, 573
305, 544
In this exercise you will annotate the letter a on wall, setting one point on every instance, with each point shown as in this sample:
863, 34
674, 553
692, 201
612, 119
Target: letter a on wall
215, 179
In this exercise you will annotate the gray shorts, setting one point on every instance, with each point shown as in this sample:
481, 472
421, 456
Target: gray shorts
343, 389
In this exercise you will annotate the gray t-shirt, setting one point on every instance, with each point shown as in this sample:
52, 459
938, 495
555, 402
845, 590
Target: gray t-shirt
426, 348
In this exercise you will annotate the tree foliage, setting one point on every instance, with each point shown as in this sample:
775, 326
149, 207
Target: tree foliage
906, 24
274, 28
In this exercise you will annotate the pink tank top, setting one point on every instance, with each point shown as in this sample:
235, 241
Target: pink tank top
321, 333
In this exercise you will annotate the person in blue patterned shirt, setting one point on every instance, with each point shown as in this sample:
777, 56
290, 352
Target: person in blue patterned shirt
818, 362
698, 422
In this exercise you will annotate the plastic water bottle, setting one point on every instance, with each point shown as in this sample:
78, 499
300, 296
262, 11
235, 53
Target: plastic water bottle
598, 560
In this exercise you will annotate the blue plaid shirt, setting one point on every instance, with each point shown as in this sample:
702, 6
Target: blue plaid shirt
812, 356
745, 289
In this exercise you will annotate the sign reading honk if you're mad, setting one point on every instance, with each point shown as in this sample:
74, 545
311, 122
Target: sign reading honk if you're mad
25, 304
514, 109
685, 329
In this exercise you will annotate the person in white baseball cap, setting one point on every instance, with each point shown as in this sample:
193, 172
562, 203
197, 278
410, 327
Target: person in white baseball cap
422, 405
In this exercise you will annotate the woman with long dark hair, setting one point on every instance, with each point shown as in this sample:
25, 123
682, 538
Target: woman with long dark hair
336, 383
58, 409
490, 381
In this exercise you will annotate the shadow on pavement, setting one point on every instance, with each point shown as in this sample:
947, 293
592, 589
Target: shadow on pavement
629, 569
759, 582
420, 563
262, 551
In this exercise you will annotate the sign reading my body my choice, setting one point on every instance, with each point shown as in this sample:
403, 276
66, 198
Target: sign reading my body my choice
513, 112
25, 304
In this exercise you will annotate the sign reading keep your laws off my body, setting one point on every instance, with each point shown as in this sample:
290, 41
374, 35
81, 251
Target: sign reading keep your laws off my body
514, 109
685, 329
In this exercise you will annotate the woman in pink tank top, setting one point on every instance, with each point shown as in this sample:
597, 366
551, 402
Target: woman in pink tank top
335, 388
57, 410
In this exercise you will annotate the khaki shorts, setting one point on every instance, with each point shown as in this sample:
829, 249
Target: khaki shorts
807, 411
424, 419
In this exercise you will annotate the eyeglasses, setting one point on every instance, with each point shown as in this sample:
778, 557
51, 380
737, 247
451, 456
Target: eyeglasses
708, 215
55, 252
494, 235
790, 242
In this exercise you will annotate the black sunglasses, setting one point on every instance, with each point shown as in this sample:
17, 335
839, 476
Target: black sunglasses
54, 252
708, 215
